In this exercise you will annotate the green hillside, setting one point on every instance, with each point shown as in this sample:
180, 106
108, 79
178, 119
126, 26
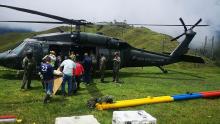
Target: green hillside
137, 36
9, 40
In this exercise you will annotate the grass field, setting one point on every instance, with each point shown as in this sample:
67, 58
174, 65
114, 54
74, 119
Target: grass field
137, 83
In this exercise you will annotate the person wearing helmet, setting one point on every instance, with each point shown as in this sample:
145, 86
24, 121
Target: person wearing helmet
28, 65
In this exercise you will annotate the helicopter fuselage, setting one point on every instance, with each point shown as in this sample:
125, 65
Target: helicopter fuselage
94, 44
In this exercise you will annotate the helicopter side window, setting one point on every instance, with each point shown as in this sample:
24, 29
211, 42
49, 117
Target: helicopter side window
19, 48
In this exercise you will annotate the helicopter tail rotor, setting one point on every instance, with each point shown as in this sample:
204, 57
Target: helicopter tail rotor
185, 28
183, 47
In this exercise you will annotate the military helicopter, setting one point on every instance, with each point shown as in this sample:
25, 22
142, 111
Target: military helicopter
95, 44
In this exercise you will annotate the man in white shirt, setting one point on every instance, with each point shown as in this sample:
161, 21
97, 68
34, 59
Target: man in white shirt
68, 66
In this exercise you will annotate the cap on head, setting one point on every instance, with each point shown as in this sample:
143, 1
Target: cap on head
86, 54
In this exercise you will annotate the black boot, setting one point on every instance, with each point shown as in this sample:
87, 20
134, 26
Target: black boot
47, 99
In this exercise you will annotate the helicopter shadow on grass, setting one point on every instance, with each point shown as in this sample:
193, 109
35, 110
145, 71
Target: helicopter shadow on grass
156, 75
109, 74
35, 101
12, 75
170, 75
9, 75
22, 102
186, 73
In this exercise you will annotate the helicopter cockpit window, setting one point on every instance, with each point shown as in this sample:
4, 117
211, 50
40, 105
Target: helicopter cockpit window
19, 48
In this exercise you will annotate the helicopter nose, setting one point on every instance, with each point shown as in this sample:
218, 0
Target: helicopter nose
8, 60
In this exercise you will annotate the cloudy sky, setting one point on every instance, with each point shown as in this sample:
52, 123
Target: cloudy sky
134, 11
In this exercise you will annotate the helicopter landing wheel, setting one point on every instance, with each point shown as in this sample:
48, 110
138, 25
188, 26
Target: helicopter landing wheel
163, 70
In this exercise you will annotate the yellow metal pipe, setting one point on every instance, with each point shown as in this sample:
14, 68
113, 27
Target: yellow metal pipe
134, 102
141, 99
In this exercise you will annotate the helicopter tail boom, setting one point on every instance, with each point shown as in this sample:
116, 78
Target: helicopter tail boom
192, 59
183, 47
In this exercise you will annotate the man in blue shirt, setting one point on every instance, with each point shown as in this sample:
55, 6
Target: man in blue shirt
48, 78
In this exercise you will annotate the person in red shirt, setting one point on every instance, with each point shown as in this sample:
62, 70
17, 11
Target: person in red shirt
78, 72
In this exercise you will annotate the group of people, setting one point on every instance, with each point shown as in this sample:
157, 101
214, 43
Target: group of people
72, 68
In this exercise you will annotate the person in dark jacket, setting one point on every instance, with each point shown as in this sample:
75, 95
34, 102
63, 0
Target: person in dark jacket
87, 64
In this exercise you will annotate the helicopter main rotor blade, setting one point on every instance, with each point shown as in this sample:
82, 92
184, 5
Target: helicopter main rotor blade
78, 22
103, 24
163, 25
67, 21
181, 20
44, 22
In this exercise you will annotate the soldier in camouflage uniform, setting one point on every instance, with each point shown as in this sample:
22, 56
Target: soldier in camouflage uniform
102, 66
29, 65
116, 67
